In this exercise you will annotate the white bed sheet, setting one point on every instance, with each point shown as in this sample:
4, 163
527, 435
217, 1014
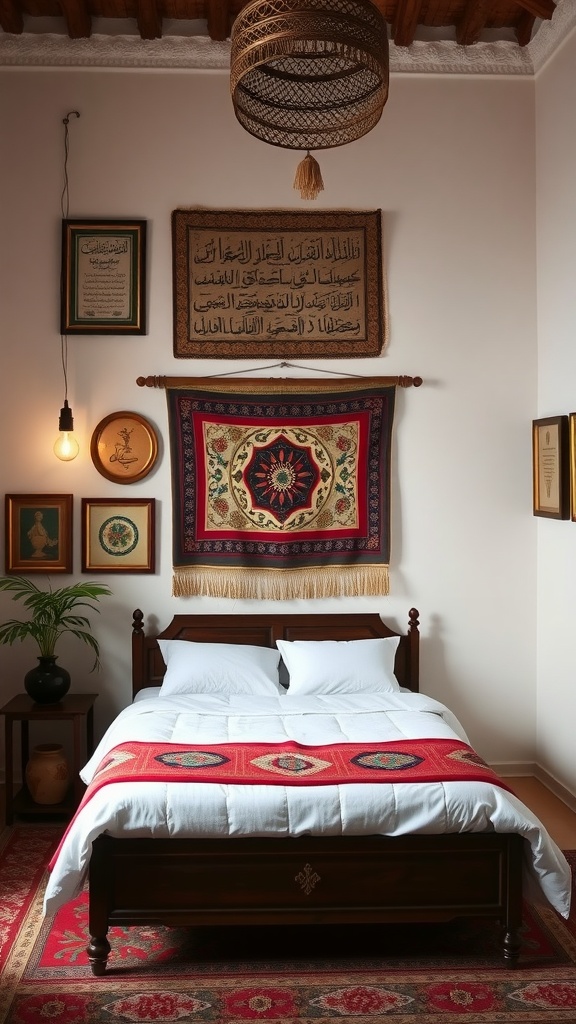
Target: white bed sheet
213, 810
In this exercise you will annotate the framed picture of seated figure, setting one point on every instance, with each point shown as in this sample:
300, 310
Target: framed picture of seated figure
38, 533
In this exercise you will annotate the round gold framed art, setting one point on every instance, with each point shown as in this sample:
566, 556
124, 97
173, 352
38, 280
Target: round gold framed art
124, 447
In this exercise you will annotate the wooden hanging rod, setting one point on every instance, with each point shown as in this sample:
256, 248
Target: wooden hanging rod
183, 382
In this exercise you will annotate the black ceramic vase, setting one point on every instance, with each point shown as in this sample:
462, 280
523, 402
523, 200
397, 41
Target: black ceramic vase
48, 682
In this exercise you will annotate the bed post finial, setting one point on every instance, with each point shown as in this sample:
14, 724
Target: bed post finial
414, 650
138, 652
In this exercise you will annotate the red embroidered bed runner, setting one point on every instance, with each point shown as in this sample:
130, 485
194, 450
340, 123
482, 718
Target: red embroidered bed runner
292, 764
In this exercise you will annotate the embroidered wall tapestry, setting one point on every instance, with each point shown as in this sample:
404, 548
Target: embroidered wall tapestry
281, 488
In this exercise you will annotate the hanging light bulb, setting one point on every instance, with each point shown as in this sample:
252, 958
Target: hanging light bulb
66, 446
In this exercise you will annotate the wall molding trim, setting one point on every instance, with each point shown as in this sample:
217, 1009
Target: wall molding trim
199, 52
507, 769
555, 787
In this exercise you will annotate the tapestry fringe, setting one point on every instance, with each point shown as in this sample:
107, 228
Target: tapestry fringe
281, 584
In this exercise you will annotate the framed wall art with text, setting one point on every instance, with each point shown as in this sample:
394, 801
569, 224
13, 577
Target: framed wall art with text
550, 467
282, 284
103, 277
572, 449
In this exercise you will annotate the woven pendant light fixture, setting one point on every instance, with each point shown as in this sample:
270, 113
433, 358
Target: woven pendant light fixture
309, 74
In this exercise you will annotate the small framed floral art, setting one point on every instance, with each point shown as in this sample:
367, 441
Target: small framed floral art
118, 536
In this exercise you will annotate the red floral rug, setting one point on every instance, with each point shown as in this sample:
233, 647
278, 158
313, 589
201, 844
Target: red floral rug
408, 975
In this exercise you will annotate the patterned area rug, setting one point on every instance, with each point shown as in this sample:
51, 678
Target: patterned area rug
408, 975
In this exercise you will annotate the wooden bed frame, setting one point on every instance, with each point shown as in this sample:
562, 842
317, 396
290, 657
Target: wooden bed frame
308, 880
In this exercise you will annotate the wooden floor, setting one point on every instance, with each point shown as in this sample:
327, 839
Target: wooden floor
553, 813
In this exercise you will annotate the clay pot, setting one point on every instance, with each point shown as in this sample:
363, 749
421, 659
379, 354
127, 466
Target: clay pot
47, 774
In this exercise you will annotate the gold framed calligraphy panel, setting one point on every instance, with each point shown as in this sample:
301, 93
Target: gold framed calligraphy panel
277, 284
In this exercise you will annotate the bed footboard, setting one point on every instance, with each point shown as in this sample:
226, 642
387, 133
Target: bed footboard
309, 880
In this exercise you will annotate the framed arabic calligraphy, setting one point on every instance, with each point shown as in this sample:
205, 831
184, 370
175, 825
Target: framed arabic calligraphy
103, 277
124, 447
286, 283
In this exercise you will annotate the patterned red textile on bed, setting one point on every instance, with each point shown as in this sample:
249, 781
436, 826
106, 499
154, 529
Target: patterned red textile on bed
291, 764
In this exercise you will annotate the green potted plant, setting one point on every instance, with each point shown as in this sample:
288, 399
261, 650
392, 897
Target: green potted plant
52, 613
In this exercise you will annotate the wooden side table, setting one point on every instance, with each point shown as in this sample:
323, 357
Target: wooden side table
77, 708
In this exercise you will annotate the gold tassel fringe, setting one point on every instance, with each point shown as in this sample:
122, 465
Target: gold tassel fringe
281, 584
308, 180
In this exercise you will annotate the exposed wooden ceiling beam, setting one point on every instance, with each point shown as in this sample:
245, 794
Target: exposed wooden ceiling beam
149, 19
218, 19
11, 19
539, 8
405, 21
78, 20
524, 28
472, 23
405, 16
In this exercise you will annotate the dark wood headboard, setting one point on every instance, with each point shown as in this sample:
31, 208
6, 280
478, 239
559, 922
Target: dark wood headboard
263, 631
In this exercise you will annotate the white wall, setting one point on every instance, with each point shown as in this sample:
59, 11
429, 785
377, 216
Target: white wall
451, 165
556, 220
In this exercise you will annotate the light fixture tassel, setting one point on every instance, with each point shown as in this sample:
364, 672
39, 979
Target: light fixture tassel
308, 180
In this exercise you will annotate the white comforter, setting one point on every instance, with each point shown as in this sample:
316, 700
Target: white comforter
215, 810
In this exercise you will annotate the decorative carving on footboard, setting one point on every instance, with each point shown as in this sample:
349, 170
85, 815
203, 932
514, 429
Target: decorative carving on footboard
308, 879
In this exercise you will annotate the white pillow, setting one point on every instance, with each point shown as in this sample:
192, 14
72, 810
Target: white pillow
340, 666
221, 669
